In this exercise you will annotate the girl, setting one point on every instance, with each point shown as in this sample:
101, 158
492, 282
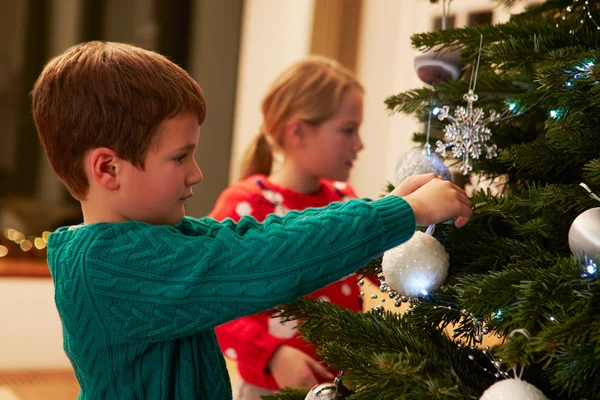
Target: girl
311, 115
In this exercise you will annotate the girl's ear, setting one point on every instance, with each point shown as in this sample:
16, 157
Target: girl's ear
294, 133
103, 166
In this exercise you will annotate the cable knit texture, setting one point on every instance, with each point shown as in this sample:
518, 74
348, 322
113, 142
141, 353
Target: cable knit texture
252, 340
139, 303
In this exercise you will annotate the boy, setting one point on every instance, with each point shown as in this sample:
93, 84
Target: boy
139, 288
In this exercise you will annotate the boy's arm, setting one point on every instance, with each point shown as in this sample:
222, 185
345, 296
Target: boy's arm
244, 339
162, 282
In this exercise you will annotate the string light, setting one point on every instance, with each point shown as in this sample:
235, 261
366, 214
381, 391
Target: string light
23, 244
581, 11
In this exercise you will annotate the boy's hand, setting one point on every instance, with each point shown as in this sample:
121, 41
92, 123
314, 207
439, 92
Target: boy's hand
293, 368
438, 201
412, 183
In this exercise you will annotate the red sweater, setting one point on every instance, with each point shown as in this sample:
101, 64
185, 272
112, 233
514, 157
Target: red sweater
251, 341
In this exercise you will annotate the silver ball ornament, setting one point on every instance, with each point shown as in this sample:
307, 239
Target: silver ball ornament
416, 267
417, 161
513, 389
322, 391
329, 391
584, 239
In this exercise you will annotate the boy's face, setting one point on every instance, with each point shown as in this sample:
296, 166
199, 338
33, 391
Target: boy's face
157, 193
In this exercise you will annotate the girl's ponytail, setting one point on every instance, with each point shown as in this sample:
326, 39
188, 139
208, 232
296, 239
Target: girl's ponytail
258, 158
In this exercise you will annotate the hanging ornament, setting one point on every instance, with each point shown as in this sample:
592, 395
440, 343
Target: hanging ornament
437, 65
417, 161
416, 267
329, 391
584, 238
512, 389
467, 133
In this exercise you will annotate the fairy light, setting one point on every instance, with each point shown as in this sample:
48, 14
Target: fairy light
581, 11
22, 244
39, 243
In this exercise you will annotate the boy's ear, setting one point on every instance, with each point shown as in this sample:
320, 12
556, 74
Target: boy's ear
103, 166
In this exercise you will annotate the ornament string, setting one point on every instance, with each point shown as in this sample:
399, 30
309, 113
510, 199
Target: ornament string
445, 12
473, 80
427, 144
592, 194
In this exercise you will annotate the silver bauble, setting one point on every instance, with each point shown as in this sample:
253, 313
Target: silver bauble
416, 267
417, 161
513, 389
322, 391
335, 390
584, 239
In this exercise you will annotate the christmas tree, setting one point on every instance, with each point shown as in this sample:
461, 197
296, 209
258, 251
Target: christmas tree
523, 271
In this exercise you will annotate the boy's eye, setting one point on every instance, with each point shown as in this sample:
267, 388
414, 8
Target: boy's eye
180, 158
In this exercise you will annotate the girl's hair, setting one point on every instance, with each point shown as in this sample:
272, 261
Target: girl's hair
310, 90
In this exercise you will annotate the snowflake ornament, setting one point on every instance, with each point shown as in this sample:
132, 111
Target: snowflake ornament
467, 132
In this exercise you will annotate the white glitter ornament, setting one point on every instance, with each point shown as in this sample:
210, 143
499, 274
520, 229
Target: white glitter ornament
417, 161
512, 389
416, 267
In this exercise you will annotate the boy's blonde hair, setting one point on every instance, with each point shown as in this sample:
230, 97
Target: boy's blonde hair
102, 94
310, 90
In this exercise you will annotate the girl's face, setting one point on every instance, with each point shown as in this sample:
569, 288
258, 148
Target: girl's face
328, 150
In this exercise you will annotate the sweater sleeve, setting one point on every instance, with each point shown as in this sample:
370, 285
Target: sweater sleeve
244, 339
164, 282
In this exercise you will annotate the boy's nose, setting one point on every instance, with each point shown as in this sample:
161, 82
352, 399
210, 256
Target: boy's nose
196, 176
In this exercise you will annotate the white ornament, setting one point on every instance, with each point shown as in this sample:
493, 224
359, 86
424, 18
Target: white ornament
416, 267
467, 133
584, 239
513, 389
417, 161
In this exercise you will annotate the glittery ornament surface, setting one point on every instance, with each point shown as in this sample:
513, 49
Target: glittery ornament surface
417, 161
512, 389
416, 267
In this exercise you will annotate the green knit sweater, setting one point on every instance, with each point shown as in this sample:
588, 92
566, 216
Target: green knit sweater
138, 303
